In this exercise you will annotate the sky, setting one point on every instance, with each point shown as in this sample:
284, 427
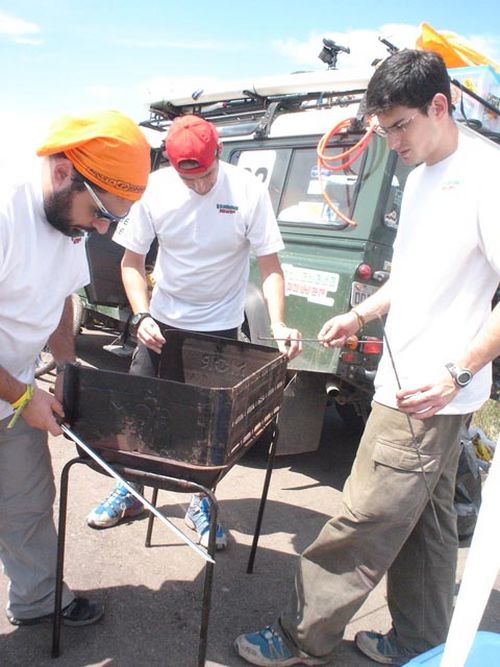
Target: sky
61, 56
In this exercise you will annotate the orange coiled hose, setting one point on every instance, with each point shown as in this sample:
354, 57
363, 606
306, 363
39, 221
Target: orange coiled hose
345, 159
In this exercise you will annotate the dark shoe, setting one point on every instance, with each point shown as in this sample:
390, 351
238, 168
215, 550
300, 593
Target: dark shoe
79, 612
384, 649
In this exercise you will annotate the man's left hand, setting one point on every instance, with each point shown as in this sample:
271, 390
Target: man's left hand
288, 340
424, 401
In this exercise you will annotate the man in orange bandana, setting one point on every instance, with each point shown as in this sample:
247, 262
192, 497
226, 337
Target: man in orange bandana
92, 169
103, 157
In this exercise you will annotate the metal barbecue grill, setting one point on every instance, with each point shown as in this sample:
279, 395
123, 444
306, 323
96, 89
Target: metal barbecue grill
181, 431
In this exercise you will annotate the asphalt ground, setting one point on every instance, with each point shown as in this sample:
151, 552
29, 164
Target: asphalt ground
153, 596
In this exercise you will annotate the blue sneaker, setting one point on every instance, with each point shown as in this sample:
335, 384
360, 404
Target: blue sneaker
384, 649
268, 647
198, 519
119, 505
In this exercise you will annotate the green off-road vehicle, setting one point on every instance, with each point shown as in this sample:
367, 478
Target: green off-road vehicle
336, 190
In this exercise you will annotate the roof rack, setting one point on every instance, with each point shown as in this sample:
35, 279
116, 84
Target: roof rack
260, 104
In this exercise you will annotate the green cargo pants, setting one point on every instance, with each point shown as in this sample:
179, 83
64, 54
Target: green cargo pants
386, 526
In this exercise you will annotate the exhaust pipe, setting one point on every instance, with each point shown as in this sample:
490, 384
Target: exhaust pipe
332, 389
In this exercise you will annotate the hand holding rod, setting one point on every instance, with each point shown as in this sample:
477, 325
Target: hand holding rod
135, 493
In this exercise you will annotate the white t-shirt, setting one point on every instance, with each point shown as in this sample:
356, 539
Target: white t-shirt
445, 272
201, 272
39, 268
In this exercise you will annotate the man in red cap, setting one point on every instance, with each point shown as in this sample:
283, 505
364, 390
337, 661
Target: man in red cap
92, 169
207, 216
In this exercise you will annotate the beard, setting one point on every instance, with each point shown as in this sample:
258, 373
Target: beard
57, 208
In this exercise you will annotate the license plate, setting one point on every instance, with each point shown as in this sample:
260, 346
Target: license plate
360, 292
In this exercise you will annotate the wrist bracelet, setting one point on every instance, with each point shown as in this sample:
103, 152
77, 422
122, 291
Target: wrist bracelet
24, 398
20, 404
360, 318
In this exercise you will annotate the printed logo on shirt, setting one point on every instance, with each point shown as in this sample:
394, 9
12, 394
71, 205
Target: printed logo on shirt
76, 239
227, 208
451, 185
120, 229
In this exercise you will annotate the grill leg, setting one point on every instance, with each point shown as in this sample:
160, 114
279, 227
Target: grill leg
207, 587
61, 539
151, 517
263, 498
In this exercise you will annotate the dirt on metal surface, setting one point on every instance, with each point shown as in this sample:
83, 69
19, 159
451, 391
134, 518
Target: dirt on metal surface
153, 596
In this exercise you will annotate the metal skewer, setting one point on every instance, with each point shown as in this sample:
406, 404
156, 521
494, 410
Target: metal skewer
312, 340
135, 493
414, 438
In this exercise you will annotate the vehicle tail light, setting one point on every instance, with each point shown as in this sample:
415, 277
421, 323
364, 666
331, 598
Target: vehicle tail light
364, 271
372, 345
347, 357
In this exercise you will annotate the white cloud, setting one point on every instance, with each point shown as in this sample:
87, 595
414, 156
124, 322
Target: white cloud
17, 28
487, 45
28, 40
101, 93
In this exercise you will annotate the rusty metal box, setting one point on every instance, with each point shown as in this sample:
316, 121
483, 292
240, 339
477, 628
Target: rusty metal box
214, 398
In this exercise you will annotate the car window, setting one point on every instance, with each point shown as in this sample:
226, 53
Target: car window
296, 186
303, 201
268, 165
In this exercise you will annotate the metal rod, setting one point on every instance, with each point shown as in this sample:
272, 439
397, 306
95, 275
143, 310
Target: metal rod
314, 340
61, 540
414, 438
136, 494
265, 490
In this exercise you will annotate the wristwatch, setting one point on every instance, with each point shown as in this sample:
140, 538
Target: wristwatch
138, 317
461, 376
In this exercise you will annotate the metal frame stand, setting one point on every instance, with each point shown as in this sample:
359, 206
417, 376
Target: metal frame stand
157, 481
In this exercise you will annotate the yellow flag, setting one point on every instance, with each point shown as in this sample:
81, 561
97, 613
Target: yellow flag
454, 49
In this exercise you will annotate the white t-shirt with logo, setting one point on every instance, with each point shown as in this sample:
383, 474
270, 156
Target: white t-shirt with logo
39, 268
446, 269
201, 272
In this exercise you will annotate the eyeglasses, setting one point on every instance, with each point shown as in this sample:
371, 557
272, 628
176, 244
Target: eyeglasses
103, 211
398, 128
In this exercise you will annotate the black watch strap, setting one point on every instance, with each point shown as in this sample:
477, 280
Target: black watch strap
138, 317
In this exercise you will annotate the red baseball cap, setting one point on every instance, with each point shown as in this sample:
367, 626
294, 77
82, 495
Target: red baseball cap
191, 138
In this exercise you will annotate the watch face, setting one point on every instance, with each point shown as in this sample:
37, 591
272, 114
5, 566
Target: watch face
137, 319
463, 378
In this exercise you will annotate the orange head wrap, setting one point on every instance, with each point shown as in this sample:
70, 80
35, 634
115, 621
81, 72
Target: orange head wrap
106, 147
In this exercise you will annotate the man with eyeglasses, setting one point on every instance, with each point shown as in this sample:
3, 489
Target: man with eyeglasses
92, 169
398, 515
207, 216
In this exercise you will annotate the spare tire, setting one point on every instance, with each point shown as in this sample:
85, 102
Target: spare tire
45, 361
